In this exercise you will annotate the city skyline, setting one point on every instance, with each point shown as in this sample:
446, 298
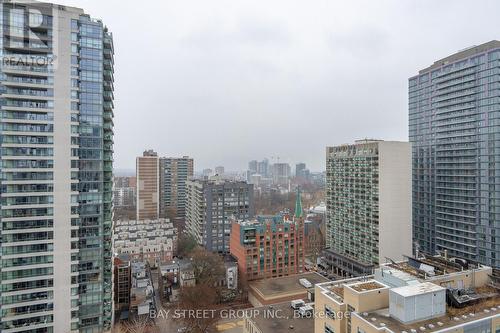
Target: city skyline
268, 68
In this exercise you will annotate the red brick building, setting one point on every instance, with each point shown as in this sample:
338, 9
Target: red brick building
269, 246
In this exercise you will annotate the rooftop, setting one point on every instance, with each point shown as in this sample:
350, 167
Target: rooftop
284, 323
416, 276
468, 52
417, 289
365, 286
426, 266
285, 286
381, 318
335, 289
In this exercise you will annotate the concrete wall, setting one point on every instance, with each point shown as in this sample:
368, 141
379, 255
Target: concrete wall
395, 200
417, 307
478, 278
322, 301
62, 170
369, 300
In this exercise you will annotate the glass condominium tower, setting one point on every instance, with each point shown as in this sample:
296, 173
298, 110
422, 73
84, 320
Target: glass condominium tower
56, 135
454, 124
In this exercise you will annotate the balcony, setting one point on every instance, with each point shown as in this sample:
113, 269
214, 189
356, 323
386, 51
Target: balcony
107, 126
108, 86
108, 53
108, 106
108, 96
108, 75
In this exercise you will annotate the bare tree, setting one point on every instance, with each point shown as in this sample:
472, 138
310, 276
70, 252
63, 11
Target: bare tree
208, 267
198, 298
139, 324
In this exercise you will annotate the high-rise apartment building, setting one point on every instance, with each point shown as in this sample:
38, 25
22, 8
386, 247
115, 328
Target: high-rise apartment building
125, 181
211, 206
124, 197
124, 192
454, 112
56, 96
161, 186
368, 202
148, 186
174, 173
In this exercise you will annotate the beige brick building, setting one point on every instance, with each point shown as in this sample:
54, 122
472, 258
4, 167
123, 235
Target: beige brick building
411, 296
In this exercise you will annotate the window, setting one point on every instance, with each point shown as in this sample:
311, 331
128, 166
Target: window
329, 329
74, 25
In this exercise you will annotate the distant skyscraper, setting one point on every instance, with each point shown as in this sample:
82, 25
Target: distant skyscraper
207, 172
211, 205
281, 173
56, 96
124, 191
148, 186
299, 169
174, 173
219, 170
454, 112
252, 166
301, 172
263, 168
368, 201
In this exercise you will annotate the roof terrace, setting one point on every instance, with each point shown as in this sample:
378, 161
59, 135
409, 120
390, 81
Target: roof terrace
381, 318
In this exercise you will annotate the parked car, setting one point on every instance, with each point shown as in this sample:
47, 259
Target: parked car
296, 304
305, 283
306, 310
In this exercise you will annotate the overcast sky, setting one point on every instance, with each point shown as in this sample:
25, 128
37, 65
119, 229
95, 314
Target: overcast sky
228, 81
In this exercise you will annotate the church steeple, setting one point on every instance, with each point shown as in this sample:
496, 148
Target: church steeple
298, 204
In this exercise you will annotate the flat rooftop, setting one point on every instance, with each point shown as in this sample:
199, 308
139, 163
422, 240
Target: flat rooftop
365, 286
286, 285
417, 289
468, 52
425, 267
381, 318
486, 307
335, 289
285, 321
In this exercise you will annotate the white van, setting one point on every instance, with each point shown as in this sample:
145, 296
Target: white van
305, 283
297, 303
306, 310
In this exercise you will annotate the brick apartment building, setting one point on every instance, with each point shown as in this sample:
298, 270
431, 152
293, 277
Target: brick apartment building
269, 246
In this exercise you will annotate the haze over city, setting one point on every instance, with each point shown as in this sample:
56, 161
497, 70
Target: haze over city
239, 167
277, 78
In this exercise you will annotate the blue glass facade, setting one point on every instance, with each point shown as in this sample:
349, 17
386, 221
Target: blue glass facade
95, 73
454, 124
56, 136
